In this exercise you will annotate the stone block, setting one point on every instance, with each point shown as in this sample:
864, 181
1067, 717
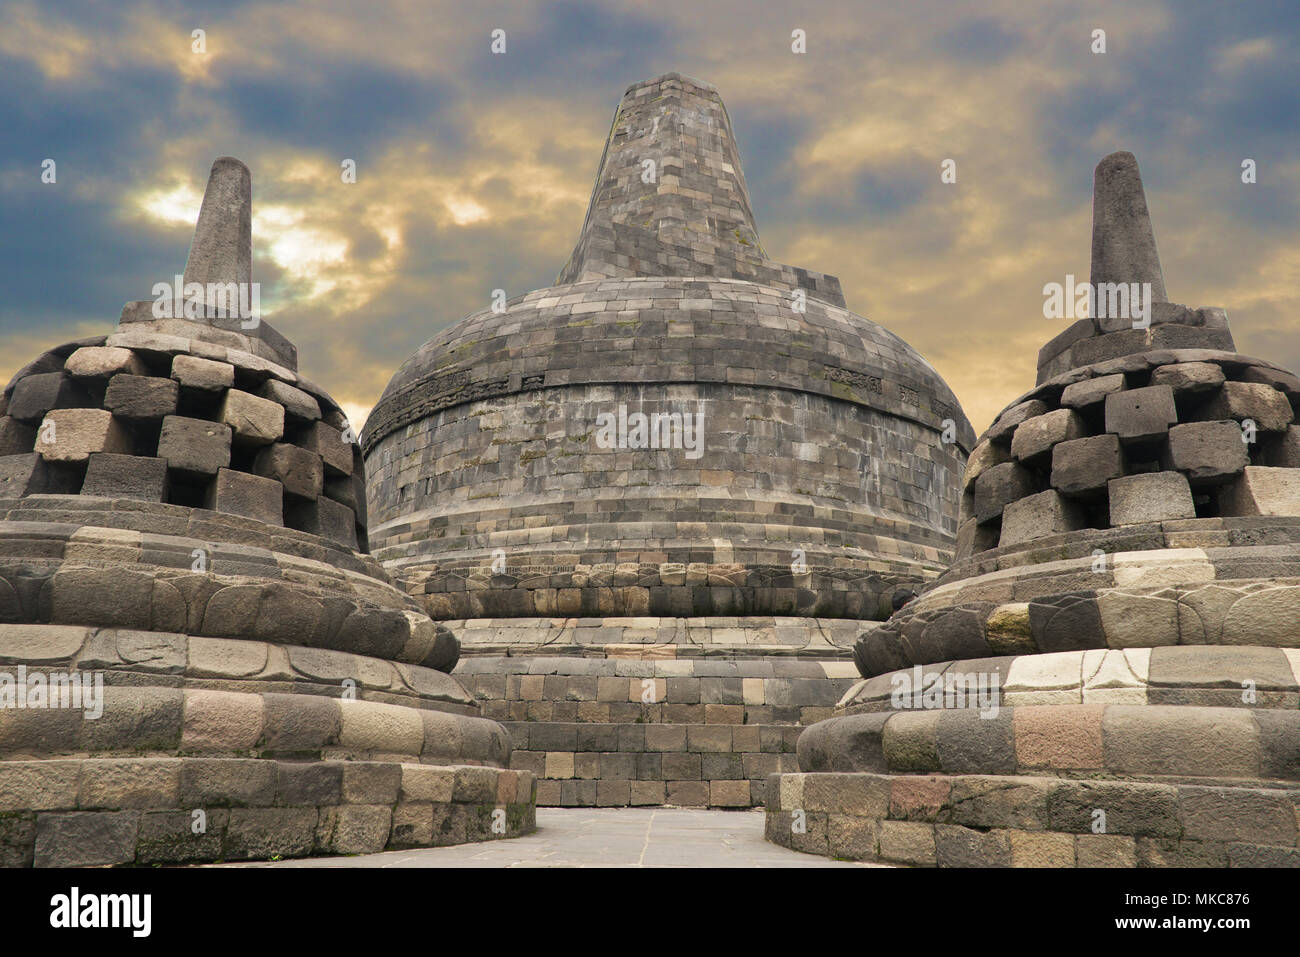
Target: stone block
260, 833
35, 395
1082, 467
1037, 516
86, 838
1090, 392
1150, 497
1034, 438
103, 362
299, 406
1208, 453
1260, 403
16, 438
325, 518
1140, 416
1280, 450
985, 456
138, 477
204, 375
194, 446
1188, 378
1000, 485
298, 470
1005, 425
22, 475
253, 421
71, 435
1262, 491
238, 493
139, 398
334, 450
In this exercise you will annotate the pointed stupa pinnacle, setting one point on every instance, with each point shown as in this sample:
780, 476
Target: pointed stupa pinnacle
222, 250
1123, 243
670, 198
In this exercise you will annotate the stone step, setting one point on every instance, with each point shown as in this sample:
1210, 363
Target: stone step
613, 765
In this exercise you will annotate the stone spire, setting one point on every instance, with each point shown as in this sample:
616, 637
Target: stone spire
1123, 243
1124, 253
222, 250
670, 197
221, 255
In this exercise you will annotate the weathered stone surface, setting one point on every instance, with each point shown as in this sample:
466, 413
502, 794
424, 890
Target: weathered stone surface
194, 446
34, 395
253, 421
1208, 453
71, 435
101, 362
1000, 485
1006, 423
1254, 401
1082, 467
1090, 392
985, 456
1040, 515
325, 518
1150, 497
1189, 378
252, 496
22, 475
1141, 415
138, 398
1034, 438
205, 375
299, 406
137, 477
1262, 491
16, 438
298, 470
1123, 243
335, 451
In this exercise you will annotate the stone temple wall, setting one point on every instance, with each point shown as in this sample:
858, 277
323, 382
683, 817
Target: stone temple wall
180, 518
653, 624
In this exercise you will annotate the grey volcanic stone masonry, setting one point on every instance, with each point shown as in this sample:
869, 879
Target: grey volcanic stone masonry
241, 391
500, 476
695, 219
824, 478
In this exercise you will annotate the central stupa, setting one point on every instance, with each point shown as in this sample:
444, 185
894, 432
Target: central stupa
681, 449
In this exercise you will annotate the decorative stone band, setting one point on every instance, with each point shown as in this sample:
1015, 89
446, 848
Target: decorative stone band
159, 418
1137, 741
162, 659
858, 589
1158, 436
972, 820
140, 720
1214, 675
665, 330
1242, 594
581, 691
72, 574
656, 638
87, 812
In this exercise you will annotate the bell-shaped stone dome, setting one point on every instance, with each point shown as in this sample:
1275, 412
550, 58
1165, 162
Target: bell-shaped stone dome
679, 427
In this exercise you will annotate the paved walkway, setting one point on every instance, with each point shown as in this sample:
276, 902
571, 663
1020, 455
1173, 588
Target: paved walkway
608, 837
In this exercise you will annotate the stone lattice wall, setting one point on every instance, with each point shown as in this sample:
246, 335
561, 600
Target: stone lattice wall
159, 418
1159, 436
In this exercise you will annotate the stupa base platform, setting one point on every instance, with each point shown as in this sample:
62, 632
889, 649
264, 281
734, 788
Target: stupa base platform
688, 712
87, 811
982, 820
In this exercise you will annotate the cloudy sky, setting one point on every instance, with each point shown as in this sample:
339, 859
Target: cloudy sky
474, 169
